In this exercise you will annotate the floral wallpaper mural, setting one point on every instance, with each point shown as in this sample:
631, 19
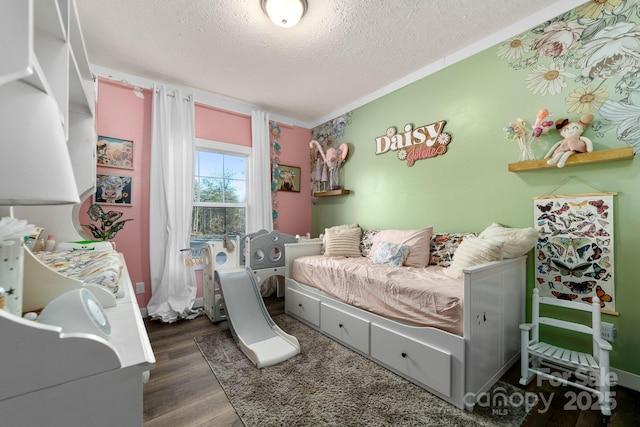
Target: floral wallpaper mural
590, 58
275, 171
326, 135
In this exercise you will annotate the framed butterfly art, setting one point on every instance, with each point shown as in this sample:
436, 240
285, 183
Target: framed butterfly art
575, 247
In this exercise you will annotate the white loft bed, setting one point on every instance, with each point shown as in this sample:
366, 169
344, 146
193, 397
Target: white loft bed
44, 284
63, 379
51, 377
59, 378
455, 368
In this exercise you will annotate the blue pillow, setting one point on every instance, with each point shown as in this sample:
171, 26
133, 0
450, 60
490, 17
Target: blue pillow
393, 254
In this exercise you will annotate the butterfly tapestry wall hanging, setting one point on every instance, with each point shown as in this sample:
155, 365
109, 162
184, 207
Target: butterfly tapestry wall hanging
574, 253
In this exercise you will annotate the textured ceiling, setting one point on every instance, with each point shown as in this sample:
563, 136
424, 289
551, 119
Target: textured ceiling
341, 51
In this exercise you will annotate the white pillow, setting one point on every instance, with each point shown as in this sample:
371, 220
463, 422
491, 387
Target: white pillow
342, 242
517, 241
473, 251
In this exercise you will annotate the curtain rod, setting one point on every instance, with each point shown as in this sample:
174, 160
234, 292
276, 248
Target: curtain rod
124, 82
243, 115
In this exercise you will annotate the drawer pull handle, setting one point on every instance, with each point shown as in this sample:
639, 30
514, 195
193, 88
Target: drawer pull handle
404, 354
340, 325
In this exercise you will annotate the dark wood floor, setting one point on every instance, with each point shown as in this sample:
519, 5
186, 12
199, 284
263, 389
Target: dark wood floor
182, 391
566, 401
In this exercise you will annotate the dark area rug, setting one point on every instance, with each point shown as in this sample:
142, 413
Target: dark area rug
327, 384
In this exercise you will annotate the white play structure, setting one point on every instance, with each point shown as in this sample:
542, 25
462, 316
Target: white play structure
259, 338
232, 276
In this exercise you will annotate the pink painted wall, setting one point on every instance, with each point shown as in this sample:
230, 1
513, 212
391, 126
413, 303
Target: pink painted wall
294, 209
219, 125
120, 114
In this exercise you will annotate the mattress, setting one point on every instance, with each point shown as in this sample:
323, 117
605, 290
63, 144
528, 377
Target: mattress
97, 267
420, 296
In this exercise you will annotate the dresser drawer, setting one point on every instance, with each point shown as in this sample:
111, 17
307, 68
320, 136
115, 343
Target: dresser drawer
302, 306
425, 364
345, 327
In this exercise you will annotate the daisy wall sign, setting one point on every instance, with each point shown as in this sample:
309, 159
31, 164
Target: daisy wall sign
423, 142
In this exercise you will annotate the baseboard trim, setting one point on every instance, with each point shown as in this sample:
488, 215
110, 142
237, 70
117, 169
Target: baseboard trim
627, 379
198, 303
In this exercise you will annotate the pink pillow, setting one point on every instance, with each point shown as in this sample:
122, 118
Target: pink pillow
418, 241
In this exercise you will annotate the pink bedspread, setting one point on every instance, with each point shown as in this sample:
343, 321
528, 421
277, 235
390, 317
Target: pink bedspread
422, 296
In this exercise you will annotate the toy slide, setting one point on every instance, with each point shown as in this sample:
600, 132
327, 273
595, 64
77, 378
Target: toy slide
259, 338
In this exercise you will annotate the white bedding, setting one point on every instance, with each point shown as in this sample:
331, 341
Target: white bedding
97, 267
422, 296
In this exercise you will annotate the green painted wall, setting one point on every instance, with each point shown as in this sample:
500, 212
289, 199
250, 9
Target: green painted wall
469, 187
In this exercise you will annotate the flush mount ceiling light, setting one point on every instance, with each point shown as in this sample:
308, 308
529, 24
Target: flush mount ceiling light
284, 13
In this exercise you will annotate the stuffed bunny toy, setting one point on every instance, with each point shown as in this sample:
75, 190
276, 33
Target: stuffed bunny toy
573, 141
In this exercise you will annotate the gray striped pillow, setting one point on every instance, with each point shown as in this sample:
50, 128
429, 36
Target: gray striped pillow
342, 242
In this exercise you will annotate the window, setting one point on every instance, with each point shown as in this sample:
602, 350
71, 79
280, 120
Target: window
220, 191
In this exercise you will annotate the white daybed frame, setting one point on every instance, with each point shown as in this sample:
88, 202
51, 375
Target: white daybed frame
455, 368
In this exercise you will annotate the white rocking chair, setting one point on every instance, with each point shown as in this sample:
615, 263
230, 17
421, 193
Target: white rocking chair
535, 352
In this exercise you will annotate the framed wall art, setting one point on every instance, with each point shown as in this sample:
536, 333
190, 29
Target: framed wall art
574, 253
113, 190
289, 179
114, 152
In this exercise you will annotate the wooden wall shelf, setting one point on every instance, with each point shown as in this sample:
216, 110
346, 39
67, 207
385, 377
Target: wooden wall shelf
331, 193
624, 153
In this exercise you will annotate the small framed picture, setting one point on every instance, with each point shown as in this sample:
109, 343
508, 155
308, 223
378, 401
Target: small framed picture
113, 190
289, 179
114, 153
